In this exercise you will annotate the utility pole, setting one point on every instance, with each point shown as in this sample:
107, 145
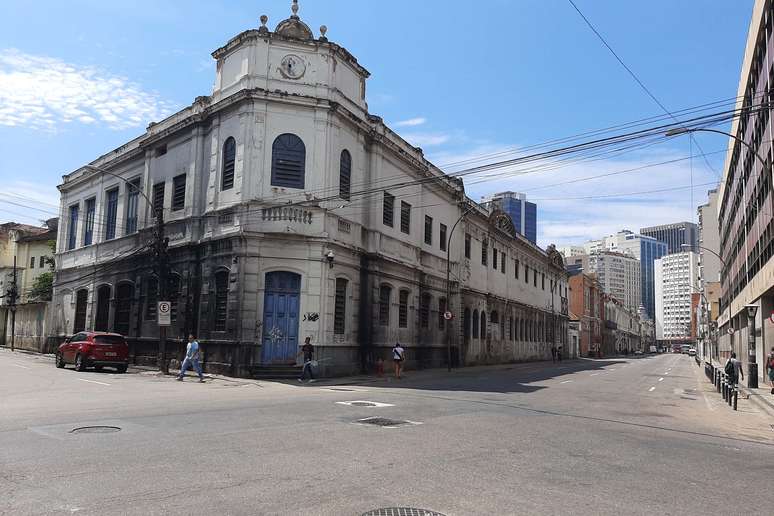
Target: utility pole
160, 245
13, 295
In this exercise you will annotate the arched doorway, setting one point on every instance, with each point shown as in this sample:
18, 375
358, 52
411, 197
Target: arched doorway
101, 321
281, 301
124, 295
81, 304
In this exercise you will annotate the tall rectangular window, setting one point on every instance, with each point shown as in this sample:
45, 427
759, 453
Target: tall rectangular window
384, 305
88, 230
111, 213
428, 230
494, 258
32, 262
441, 312
42, 261
442, 236
340, 307
516, 269
405, 217
388, 210
71, 230
543, 281
132, 201
502, 263
403, 309
467, 245
526, 273
158, 197
484, 253
178, 192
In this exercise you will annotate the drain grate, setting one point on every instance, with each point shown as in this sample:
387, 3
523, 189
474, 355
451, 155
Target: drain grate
401, 511
95, 430
385, 422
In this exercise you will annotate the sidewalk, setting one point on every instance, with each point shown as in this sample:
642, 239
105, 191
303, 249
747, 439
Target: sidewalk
761, 396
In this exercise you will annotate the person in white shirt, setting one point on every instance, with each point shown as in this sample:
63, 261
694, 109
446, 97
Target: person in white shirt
398, 356
191, 359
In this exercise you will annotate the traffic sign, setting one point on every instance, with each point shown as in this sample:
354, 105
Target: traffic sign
164, 313
448, 315
730, 330
771, 317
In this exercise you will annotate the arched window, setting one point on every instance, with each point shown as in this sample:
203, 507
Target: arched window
229, 159
475, 324
424, 310
384, 305
345, 174
466, 323
221, 300
103, 308
151, 297
81, 303
123, 308
288, 161
403, 309
340, 307
483, 324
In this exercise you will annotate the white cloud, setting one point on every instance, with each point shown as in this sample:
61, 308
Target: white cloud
411, 122
426, 139
41, 92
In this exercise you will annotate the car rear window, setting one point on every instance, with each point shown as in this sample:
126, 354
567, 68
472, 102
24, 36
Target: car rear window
109, 339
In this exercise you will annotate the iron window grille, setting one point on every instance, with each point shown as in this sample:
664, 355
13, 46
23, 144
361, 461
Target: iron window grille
403, 309
345, 174
340, 307
405, 217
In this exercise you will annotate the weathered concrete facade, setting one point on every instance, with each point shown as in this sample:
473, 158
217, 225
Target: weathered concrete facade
293, 212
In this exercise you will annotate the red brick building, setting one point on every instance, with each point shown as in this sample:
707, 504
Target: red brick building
586, 307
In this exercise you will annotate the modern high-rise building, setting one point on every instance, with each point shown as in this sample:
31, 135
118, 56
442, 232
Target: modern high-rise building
570, 251
618, 275
522, 212
675, 235
676, 287
745, 216
709, 238
644, 248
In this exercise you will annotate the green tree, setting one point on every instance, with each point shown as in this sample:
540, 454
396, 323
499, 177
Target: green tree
43, 287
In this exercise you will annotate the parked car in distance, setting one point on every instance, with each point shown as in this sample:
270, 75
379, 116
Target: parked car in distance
653, 350
685, 348
94, 349
638, 352
692, 352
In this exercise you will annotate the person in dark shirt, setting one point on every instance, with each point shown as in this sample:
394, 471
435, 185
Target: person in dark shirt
308, 351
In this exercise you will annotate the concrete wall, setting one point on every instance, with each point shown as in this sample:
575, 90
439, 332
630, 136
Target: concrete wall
31, 328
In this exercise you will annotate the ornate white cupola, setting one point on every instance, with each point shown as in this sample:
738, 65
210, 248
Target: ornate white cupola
290, 59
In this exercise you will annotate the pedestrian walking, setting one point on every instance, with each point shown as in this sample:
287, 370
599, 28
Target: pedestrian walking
770, 369
553, 353
559, 354
308, 351
398, 356
733, 369
191, 359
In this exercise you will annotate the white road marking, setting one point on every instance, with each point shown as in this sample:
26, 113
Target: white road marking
661, 379
93, 381
594, 374
17, 365
651, 389
567, 381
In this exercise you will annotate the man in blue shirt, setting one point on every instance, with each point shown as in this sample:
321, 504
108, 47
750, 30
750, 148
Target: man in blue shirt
191, 358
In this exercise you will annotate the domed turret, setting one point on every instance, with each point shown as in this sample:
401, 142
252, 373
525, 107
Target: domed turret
293, 27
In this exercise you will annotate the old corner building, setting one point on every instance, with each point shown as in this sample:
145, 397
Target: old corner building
293, 212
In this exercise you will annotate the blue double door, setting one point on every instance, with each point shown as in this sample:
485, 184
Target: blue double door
281, 302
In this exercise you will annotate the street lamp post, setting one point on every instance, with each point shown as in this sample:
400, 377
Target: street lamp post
448, 284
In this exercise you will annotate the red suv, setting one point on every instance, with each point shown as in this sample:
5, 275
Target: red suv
94, 349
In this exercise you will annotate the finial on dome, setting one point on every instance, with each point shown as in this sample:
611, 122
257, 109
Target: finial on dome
263, 28
294, 8
323, 31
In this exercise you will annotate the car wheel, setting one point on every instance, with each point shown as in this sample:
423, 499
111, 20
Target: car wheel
60, 363
121, 369
79, 364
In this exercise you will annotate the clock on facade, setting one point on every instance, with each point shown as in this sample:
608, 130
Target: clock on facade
292, 66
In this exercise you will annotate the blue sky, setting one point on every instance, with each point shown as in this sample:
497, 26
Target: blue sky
460, 79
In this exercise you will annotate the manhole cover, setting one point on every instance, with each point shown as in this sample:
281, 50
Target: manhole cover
95, 430
385, 422
364, 403
401, 511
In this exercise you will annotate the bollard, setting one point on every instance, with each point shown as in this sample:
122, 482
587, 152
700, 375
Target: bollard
736, 397
730, 394
719, 372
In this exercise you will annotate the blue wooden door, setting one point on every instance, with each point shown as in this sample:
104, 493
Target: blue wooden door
280, 318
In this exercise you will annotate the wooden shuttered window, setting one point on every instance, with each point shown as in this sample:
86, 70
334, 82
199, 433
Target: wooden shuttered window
340, 307
288, 161
229, 160
345, 175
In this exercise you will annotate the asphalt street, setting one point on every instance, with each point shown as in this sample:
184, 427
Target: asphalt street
598, 437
